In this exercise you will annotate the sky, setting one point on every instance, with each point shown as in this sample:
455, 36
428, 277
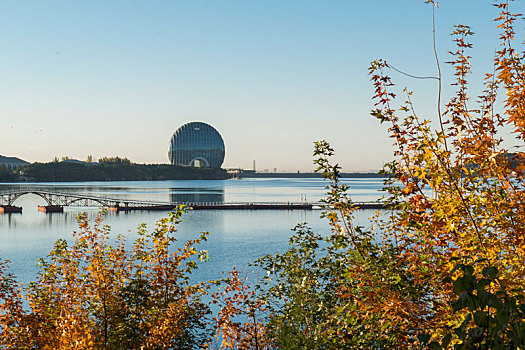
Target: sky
117, 78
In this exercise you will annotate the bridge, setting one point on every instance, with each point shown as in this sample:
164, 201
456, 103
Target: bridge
56, 201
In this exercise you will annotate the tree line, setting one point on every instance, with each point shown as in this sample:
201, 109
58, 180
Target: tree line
109, 171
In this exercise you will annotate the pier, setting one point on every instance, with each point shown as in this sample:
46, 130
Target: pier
55, 203
7, 209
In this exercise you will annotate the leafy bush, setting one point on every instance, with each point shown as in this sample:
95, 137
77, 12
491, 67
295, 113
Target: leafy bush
458, 195
94, 294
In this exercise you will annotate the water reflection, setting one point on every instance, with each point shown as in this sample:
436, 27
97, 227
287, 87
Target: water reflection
236, 237
196, 195
62, 219
9, 218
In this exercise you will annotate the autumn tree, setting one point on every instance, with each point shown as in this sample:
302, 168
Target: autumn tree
240, 322
95, 294
459, 193
445, 269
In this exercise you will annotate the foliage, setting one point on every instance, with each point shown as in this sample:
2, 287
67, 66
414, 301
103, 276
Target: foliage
94, 294
493, 319
321, 292
460, 192
114, 160
239, 321
337, 290
7, 174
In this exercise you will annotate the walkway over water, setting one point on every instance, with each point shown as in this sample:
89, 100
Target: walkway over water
56, 201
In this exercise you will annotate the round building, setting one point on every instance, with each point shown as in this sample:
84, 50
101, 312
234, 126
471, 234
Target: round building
196, 144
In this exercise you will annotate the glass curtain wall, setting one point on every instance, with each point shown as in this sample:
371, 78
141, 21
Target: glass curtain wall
197, 144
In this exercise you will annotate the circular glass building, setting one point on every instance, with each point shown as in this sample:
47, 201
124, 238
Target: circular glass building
196, 144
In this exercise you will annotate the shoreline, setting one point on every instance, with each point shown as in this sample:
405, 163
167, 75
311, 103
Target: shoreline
250, 176
309, 175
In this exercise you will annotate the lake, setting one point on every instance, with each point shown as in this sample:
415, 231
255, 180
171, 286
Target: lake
237, 237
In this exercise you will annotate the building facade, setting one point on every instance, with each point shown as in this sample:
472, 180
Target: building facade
196, 144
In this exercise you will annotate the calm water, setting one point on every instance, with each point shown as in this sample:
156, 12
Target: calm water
236, 237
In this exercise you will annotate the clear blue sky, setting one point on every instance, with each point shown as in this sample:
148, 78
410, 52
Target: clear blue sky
118, 77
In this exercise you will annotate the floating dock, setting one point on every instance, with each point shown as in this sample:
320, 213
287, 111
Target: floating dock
251, 206
244, 206
7, 209
371, 205
51, 208
143, 207
217, 206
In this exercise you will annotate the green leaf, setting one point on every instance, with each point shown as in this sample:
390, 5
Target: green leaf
446, 340
480, 318
490, 272
423, 338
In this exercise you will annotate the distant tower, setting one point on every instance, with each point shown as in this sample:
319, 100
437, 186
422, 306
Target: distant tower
254, 165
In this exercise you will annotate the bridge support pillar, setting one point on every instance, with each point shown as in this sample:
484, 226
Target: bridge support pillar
51, 209
6, 209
